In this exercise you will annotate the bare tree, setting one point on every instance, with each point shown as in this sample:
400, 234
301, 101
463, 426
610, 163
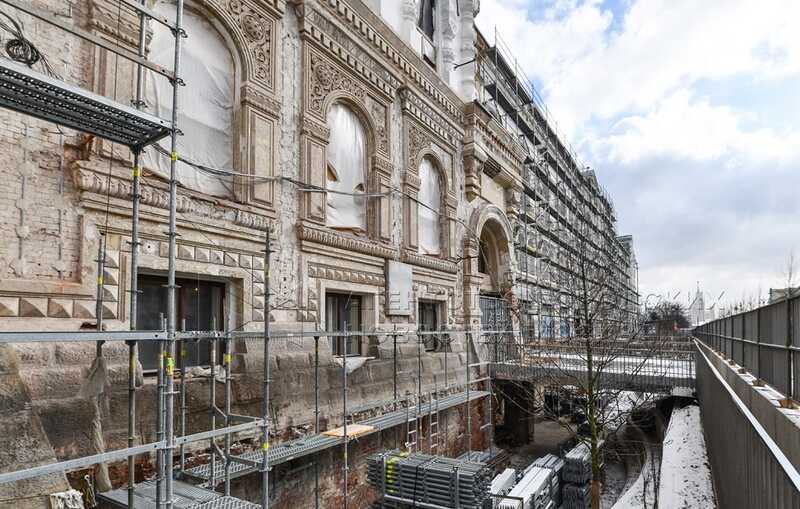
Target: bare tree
790, 271
595, 358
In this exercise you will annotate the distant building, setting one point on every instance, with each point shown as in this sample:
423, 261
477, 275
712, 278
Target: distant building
697, 309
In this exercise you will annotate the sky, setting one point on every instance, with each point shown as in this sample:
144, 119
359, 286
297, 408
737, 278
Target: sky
689, 112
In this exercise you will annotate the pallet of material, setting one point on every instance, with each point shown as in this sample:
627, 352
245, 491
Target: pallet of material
353, 431
421, 478
502, 484
578, 464
533, 488
555, 464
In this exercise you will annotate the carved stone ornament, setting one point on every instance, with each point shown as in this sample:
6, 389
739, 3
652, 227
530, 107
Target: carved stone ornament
338, 240
418, 140
89, 181
257, 30
326, 78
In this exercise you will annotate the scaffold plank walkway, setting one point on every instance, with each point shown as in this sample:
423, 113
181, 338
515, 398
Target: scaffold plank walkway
315, 443
186, 496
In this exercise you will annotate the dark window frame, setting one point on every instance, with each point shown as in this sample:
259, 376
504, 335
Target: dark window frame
344, 305
153, 290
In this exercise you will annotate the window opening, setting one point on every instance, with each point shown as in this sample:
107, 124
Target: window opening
200, 303
340, 309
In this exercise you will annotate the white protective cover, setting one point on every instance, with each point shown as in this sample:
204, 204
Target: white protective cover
429, 208
347, 163
206, 102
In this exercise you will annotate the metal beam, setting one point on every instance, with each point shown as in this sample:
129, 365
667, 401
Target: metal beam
76, 336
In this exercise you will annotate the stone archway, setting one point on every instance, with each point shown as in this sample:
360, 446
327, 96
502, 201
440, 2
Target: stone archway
489, 259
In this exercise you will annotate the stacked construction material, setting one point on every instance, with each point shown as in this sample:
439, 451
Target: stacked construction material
555, 464
421, 478
576, 496
502, 484
533, 489
576, 474
578, 465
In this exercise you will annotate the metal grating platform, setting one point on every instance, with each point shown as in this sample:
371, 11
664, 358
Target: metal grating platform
315, 443
227, 503
36, 94
185, 496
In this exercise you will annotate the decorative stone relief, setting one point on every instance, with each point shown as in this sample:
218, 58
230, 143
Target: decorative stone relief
322, 271
378, 113
257, 30
344, 242
327, 78
418, 140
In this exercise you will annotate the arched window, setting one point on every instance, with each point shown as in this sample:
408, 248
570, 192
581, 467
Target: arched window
430, 200
347, 169
206, 105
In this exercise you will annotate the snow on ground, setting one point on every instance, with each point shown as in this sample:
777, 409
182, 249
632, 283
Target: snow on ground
641, 494
686, 481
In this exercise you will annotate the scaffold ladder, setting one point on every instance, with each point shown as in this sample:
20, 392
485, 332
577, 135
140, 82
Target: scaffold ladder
412, 416
433, 422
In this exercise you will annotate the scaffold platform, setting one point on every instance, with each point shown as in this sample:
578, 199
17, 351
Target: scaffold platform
32, 93
186, 496
315, 443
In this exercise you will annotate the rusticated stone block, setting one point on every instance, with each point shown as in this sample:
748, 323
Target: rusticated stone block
9, 306
59, 308
32, 307
83, 309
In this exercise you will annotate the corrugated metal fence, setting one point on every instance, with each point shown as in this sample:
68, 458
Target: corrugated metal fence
750, 470
765, 340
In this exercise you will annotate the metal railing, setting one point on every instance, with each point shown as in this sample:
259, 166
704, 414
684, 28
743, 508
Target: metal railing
750, 470
765, 340
625, 364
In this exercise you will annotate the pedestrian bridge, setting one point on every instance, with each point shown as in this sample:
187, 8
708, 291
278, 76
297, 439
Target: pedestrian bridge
644, 365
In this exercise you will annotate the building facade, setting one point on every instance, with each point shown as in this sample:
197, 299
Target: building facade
371, 138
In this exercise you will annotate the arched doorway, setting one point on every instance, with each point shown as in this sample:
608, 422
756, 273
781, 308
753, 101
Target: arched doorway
489, 273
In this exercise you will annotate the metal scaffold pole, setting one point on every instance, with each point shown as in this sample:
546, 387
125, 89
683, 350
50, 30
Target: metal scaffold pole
344, 408
169, 364
265, 402
316, 418
134, 284
213, 407
469, 412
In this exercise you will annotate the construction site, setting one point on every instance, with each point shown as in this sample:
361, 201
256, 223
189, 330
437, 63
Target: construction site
296, 254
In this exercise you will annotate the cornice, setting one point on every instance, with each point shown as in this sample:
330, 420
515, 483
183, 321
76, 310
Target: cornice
339, 240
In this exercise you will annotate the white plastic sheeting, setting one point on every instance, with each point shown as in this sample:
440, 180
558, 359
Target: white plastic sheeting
430, 241
206, 102
347, 164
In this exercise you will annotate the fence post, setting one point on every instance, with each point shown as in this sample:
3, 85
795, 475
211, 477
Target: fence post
789, 353
758, 344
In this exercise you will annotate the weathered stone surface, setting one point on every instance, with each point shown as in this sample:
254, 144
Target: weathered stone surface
59, 308
231, 259
83, 309
9, 306
185, 252
32, 307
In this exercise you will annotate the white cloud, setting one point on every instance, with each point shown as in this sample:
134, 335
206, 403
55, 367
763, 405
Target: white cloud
684, 127
702, 177
661, 45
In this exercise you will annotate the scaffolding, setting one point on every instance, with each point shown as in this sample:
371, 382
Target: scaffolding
49, 98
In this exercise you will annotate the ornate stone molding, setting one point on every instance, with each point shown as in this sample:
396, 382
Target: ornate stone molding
326, 78
257, 30
318, 270
429, 262
254, 96
418, 141
89, 181
362, 22
343, 241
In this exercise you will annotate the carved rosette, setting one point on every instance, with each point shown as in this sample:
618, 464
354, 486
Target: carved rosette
258, 34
